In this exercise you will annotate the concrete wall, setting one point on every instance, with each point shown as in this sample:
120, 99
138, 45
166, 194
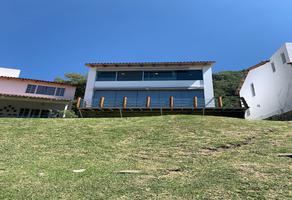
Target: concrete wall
9, 72
273, 89
18, 87
206, 84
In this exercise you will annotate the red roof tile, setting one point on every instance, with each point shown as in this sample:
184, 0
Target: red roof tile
33, 97
35, 80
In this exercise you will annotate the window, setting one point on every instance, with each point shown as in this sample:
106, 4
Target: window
35, 113
273, 67
30, 89
24, 112
159, 75
46, 90
45, 114
60, 92
150, 75
283, 58
252, 89
189, 75
105, 76
130, 76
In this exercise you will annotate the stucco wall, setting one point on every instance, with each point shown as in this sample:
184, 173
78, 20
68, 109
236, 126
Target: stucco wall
273, 89
18, 87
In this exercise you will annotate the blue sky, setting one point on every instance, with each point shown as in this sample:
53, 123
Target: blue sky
47, 38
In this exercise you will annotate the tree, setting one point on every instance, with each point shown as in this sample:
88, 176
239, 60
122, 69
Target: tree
226, 84
76, 79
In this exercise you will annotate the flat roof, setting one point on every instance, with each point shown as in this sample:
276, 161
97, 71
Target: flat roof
35, 80
151, 64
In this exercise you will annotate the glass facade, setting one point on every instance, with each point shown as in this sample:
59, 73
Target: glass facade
159, 75
159, 98
106, 76
130, 76
150, 75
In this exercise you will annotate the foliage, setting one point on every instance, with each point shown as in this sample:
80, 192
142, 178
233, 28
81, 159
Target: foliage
226, 84
177, 157
76, 79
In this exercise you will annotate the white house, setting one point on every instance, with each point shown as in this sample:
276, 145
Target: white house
22, 97
156, 80
267, 86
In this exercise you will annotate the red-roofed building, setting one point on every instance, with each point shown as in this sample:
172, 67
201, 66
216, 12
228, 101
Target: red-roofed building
22, 97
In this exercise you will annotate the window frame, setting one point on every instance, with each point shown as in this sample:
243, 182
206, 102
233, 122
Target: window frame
97, 78
60, 92
129, 78
31, 89
46, 90
273, 67
253, 91
283, 57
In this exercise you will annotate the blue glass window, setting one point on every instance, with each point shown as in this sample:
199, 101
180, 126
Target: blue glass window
159, 75
159, 98
46, 90
30, 88
130, 76
60, 92
189, 75
105, 76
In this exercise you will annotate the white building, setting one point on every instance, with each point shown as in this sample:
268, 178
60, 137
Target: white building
158, 80
22, 97
267, 86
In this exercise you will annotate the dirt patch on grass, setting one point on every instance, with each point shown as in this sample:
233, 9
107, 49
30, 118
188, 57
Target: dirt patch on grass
226, 147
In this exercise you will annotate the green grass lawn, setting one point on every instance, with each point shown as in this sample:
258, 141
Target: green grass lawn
177, 157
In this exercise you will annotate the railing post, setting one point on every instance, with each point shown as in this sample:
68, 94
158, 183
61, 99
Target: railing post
101, 102
171, 102
220, 102
78, 102
125, 102
195, 102
148, 102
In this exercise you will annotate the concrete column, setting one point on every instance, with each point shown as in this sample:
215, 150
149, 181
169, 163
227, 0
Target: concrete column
65, 109
90, 86
208, 87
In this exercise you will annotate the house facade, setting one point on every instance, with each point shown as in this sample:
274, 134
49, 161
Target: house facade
157, 81
22, 97
267, 86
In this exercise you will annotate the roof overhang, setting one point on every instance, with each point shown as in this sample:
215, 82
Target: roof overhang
151, 64
37, 81
33, 98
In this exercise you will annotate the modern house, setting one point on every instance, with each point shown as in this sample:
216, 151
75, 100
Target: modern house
267, 86
22, 97
149, 84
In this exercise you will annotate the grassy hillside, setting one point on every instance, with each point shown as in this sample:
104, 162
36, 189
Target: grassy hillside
175, 157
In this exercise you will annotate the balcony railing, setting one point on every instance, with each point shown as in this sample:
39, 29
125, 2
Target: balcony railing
171, 102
